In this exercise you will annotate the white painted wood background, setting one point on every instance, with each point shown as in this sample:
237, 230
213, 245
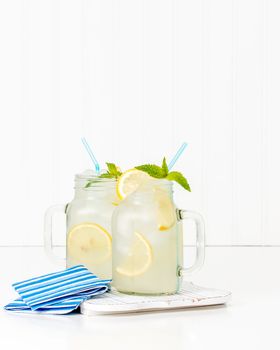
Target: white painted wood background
137, 78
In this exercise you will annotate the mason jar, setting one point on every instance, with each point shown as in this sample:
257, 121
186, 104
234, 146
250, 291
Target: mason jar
88, 225
148, 241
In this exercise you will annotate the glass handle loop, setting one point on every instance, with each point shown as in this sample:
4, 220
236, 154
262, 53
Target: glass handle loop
200, 239
48, 232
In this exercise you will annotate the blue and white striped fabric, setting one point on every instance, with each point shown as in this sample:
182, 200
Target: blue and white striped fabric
57, 293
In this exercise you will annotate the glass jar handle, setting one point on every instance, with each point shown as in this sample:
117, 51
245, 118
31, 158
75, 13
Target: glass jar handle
48, 232
200, 239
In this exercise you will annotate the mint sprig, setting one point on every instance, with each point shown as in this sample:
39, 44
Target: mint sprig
112, 173
163, 173
153, 170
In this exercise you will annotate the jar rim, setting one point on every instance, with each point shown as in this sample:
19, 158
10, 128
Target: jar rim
160, 182
151, 186
82, 179
92, 177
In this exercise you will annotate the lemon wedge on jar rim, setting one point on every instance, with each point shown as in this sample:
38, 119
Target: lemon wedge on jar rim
129, 181
89, 243
138, 259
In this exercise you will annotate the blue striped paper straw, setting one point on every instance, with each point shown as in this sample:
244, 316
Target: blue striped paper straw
177, 155
90, 153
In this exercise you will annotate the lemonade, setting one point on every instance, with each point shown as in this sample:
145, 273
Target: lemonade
147, 241
89, 238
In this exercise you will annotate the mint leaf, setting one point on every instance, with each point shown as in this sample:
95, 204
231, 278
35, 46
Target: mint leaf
180, 178
112, 173
112, 169
106, 176
153, 170
164, 166
90, 182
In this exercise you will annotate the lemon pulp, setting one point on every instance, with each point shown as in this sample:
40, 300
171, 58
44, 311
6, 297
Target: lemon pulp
138, 259
89, 243
165, 209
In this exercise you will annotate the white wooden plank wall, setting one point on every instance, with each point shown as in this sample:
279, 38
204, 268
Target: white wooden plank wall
137, 78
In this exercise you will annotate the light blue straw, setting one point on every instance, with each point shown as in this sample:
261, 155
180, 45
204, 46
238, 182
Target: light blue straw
90, 153
177, 155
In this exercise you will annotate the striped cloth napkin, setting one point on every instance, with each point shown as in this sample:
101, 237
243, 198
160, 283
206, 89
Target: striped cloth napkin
57, 293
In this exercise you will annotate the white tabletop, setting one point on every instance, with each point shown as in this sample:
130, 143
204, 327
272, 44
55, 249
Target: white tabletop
249, 321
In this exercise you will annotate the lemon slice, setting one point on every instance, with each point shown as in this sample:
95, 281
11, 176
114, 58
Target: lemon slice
89, 243
129, 181
139, 257
116, 201
166, 217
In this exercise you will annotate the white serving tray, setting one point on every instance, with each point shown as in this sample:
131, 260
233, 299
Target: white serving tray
189, 296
